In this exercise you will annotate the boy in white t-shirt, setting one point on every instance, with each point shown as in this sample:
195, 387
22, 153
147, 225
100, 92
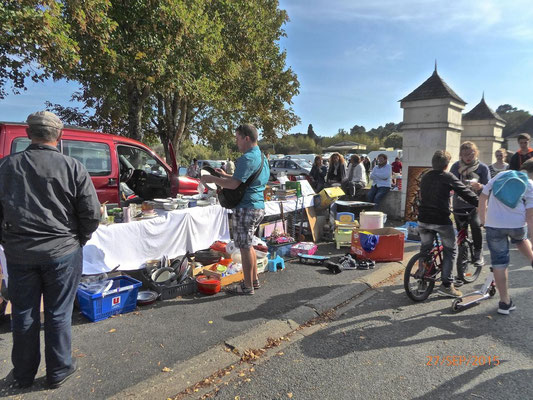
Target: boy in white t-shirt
503, 222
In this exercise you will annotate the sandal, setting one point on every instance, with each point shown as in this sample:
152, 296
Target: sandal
256, 284
240, 290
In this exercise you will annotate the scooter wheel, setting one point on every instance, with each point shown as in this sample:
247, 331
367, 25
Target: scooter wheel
455, 305
492, 291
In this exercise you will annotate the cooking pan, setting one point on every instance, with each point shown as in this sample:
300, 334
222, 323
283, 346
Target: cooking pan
146, 297
180, 268
163, 275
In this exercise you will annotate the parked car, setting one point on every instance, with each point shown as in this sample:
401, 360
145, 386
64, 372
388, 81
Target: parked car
289, 167
117, 165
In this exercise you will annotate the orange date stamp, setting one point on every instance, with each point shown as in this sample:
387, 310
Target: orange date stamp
458, 360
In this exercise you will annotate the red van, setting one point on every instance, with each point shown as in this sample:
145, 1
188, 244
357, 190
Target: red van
118, 165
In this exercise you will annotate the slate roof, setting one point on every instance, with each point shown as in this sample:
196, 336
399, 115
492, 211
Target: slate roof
433, 88
481, 112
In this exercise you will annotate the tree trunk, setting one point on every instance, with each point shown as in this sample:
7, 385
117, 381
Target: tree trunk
136, 99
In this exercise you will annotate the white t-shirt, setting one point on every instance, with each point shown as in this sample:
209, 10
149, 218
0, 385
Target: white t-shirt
499, 215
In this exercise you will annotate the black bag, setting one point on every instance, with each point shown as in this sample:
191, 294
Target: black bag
230, 198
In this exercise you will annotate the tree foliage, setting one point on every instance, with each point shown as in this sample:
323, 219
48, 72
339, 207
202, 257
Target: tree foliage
513, 118
177, 69
394, 140
33, 32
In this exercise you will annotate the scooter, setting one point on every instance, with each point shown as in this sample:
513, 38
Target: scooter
471, 299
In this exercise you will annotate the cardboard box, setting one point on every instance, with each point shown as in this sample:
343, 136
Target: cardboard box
328, 196
389, 247
224, 280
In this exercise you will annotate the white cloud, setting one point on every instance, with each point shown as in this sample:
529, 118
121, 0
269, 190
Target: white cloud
510, 19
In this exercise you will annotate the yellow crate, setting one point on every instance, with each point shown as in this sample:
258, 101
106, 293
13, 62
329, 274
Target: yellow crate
329, 195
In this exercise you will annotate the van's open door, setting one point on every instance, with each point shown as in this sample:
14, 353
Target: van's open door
173, 162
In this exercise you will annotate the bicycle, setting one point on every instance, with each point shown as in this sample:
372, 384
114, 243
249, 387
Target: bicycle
467, 270
419, 285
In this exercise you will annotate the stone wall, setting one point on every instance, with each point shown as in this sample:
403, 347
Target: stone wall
390, 205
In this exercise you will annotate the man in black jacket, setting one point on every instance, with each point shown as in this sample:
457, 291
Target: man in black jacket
434, 214
48, 211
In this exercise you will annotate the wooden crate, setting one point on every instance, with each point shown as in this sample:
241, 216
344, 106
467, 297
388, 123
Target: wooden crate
224, 280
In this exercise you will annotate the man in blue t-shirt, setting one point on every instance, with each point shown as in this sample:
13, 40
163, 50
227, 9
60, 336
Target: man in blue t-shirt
251, 210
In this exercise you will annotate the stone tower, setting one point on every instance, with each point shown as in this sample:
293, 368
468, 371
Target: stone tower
431, 121
484, 127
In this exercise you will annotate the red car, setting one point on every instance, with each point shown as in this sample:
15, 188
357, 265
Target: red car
122, 169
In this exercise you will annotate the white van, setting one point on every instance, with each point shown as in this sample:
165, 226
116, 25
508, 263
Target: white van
391, 154
310, 158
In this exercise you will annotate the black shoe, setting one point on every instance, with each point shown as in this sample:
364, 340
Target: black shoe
22, 385
16, 383
334, 267
73, 369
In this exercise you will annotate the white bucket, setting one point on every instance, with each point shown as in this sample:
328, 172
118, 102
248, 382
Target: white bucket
372, 219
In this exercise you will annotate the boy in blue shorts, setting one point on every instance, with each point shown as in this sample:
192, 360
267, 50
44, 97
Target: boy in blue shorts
507, 218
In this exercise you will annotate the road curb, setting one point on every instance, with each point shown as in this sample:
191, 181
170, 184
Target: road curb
186, 373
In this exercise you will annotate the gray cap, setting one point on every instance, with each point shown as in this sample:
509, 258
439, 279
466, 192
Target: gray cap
45, 118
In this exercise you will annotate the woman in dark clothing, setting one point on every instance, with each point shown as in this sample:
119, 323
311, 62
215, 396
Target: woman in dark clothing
337, 169
318, 174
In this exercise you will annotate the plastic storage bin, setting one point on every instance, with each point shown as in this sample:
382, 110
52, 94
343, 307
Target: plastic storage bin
389, 247
282, 250
308, 248
119, 299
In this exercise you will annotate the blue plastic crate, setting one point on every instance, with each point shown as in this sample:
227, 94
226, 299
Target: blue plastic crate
119, 299
282, 249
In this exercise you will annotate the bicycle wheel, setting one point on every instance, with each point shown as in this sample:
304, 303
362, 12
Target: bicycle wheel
467, 271
416, 288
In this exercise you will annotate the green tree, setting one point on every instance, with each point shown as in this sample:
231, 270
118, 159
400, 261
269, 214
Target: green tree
513, 118
394, 140
33, 36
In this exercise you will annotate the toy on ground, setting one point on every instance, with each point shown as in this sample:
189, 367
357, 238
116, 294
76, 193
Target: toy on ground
312, 259
275, 264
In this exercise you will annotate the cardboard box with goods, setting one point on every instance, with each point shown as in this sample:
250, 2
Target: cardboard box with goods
389, 245
210, 270
328, 196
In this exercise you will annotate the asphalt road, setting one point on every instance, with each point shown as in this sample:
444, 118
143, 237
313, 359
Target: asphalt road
116, 354
380, 349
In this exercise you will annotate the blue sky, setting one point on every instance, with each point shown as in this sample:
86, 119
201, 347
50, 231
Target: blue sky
355, 59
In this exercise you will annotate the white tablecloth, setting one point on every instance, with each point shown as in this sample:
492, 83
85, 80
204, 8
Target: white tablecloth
172, 234
273, 207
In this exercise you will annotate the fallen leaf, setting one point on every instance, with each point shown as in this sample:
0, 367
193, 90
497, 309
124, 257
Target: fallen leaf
252, 369
280, 353
237, 397
289, 395
247, 380
241, 374
112, 330
161, 344
166, 369
210, 322
489, 316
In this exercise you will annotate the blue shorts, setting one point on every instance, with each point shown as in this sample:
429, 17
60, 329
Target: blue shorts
498, 243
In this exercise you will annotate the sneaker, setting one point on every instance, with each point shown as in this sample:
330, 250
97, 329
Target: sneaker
506, 309
450, 291
458, 282
478, 258
73, 369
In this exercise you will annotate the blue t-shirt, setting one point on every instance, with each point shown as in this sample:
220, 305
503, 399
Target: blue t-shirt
245, 166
